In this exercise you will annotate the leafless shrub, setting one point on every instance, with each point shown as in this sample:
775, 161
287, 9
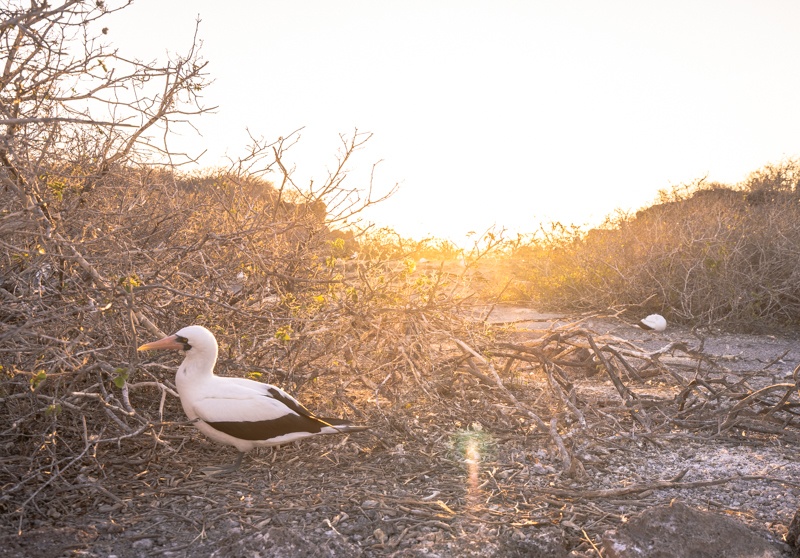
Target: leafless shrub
772, 181
102, 248
707, 254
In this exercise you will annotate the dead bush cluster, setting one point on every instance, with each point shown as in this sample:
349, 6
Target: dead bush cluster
102, 250
707, 254
146, 252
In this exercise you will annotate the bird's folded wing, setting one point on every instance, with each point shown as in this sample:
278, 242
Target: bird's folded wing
242, 387
232, 407
258, 420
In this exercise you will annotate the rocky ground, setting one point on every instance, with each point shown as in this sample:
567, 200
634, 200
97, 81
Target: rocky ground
463, 477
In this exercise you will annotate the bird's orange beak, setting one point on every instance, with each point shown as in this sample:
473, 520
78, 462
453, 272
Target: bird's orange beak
170, 342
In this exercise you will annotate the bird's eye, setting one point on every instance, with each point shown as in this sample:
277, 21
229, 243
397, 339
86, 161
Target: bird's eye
183, 341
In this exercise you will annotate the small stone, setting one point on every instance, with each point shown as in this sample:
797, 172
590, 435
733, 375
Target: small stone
143, 544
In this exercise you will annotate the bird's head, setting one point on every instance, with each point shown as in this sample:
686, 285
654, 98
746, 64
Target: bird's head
196, 340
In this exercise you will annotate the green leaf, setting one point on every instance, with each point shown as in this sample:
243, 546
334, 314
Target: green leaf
284, 333
54, 409
121, 377
37, 379
130, 282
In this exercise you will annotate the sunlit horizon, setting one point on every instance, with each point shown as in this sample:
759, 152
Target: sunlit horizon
506, 114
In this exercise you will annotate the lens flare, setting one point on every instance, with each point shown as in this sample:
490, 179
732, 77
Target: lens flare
472, 454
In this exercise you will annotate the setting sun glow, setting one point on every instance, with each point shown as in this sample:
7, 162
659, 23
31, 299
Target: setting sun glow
507, 113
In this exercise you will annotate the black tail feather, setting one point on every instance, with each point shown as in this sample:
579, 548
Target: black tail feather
343, 425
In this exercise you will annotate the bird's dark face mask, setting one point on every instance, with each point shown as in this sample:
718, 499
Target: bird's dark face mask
183, 341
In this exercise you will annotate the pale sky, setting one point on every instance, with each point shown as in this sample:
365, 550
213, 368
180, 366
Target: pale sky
502, 112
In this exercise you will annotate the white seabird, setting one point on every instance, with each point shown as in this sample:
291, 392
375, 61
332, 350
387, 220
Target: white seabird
654, 322
236, 411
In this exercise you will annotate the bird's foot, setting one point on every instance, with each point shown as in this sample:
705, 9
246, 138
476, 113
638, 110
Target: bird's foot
221, 470
214, 471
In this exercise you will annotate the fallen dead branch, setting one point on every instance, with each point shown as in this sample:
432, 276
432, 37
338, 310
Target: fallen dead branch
507, 395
